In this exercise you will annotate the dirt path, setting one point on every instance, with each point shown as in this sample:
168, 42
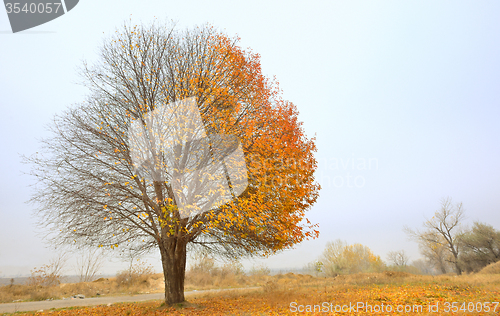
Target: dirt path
46, 305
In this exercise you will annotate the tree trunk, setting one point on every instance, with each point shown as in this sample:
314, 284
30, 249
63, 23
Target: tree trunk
173, 257
458, 269
442, 267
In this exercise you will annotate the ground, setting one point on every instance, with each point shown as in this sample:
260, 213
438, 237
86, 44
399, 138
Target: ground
359, 294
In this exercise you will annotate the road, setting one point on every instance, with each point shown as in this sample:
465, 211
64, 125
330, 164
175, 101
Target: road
46, 305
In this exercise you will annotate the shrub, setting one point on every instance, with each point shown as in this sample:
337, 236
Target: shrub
205, 271
341, 258
138, 272
259, 270
315, 268
48, 274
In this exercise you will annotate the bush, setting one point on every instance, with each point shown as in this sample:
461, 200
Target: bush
259, 270
341, 258
314, 268
205, 271
48, 274
204, 264
43, 276
137, 273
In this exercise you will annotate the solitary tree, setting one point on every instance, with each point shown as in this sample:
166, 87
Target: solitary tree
441, 239
181, 143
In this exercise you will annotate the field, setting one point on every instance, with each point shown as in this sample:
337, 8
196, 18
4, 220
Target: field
359, 294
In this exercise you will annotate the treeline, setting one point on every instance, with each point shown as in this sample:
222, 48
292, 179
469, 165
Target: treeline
339, 257
445, 243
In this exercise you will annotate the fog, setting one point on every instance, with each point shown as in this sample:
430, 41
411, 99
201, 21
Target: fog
402, 98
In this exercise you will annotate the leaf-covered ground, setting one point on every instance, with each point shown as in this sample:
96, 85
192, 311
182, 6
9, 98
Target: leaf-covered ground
342, 295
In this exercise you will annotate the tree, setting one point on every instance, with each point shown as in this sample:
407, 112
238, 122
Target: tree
441, 238
436, 253
341, 258
315, 267
97, 187
480, 247
332, 257
423, 266
398, 258
89, 264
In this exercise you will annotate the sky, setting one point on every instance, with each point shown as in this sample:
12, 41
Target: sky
402, 96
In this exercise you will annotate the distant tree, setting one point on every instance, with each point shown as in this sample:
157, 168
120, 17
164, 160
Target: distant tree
91, 193
318, 267
480, 247
88, 264
315, 267
341, 258
440, 241
436, 253
423, 266
398, 258
332, 257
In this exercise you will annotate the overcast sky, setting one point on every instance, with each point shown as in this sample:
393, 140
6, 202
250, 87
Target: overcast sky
409, 88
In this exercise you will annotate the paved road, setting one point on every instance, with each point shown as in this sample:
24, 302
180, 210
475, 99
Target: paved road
46, 305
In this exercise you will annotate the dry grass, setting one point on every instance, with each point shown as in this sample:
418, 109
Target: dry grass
126, 283
396, 288
100, 287
201, 280
493, 268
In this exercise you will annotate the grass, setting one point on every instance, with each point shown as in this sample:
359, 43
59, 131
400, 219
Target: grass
493, 268
100, 287
138, 281
121, 285
281, 294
